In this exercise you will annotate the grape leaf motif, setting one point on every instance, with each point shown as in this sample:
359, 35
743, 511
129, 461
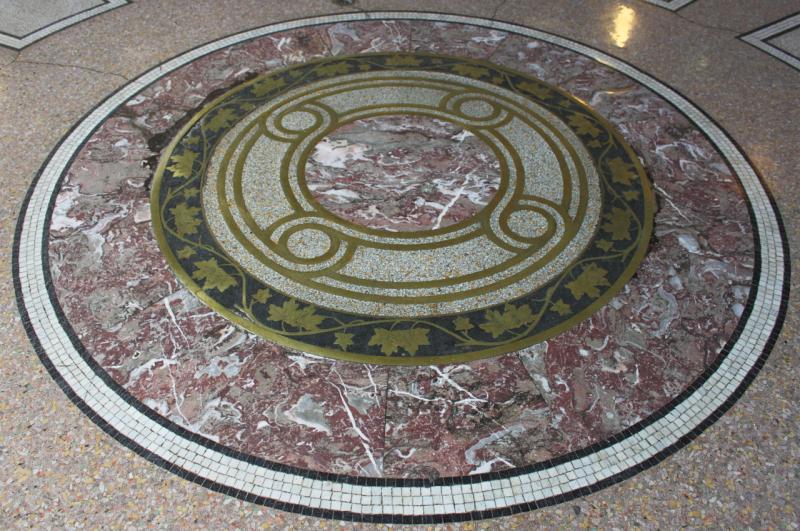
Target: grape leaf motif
186, 220
540, 91
622, 172
186, 253
333, 69
561, 308
181, 165
618, 223
213, 275
498, 322
463, 324
391, 341
265, 86
292, 314
589, 282
604, 245
223, 118
403, 60
475, 72
343, 339
583, 125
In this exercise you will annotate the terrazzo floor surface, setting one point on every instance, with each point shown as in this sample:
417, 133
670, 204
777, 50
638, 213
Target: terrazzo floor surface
58, 469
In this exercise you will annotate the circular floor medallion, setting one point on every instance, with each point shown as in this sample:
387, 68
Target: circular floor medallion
611, 348
567, 219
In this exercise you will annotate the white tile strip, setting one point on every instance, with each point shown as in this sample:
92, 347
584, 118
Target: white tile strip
760, 39
397, 501
20, 43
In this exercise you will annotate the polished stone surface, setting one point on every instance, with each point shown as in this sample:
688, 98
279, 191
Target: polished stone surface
458, 395
402, 173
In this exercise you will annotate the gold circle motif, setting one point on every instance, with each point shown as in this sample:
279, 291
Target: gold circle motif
503, 264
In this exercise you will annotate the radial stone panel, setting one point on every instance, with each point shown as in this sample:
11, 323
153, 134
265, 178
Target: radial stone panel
383, 277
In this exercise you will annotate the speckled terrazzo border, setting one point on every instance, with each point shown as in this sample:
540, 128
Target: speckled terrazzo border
18, 43
760, 38
385, 500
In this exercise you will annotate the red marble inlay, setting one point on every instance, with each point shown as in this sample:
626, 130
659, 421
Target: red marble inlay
402, 173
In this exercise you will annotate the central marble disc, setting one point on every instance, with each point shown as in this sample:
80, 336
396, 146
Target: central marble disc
402, 173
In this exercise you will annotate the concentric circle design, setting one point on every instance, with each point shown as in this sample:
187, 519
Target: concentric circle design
568, 225
179, 384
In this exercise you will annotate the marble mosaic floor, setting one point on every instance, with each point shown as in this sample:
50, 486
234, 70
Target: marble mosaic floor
317, 264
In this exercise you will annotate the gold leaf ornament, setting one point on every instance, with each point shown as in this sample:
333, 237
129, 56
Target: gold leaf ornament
333, 69
265, 86
631, 195
181, 165
621, 171
540, 91
589, 282
561, 307
185, 253
186, 218
213, 275
222, 119
391, 341
292, 314
261, 296
604, 245
403, 60
463, 324
343, 339
618, 224
474, 72
583, 125
498, 322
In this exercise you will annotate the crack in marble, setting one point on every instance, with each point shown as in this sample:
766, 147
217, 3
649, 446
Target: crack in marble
13, 60
500, 5
705, 26
363, 438
17, 60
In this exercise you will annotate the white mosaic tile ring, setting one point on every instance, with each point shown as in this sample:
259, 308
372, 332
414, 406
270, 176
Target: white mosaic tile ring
397, 500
